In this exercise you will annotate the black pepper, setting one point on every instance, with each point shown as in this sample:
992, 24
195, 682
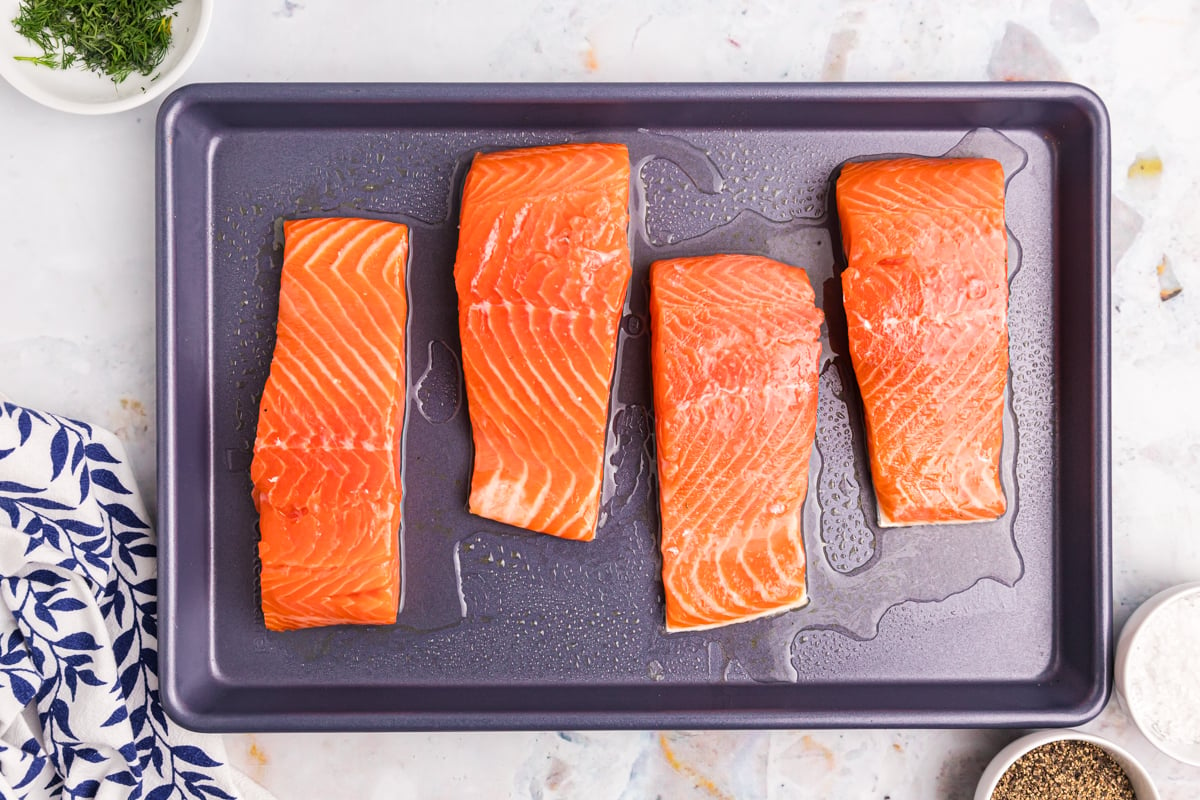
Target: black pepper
1067, 769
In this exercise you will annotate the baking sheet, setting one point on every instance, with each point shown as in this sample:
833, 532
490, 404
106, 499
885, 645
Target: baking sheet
1004, 623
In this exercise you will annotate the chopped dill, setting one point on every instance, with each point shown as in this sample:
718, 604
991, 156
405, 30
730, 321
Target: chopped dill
112, 37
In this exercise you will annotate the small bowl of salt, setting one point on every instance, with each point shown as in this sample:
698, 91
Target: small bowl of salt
1158, 671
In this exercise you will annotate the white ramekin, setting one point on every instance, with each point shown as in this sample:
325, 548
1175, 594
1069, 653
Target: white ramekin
1126, 669
1143, 787
82, 92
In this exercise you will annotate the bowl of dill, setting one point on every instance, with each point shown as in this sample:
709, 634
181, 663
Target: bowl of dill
99, 56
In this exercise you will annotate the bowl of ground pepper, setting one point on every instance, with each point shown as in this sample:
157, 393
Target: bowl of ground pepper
99, 56
1065, 765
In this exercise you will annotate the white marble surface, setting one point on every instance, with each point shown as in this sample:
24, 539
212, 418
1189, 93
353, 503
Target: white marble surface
77, 318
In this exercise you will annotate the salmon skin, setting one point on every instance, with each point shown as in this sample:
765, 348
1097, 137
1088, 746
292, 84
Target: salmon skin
326, 458
926, 297
735, 343
541, 272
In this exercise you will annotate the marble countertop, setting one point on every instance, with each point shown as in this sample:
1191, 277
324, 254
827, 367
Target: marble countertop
77, 331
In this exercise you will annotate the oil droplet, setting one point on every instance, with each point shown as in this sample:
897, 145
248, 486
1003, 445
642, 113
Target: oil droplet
716, 660
991, 143
976, 289
439, 389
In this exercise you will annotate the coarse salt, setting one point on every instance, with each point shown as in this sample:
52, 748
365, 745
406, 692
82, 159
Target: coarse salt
1164, 672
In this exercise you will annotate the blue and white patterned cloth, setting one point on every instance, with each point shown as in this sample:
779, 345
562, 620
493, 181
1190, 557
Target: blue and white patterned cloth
79, 706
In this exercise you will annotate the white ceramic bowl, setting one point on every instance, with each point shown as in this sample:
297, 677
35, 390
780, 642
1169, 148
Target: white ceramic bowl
1126, 668
1143, 787
83, 92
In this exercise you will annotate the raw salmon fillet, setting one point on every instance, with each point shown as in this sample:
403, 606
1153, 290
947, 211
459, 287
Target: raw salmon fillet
326, 459
926, 297
541, 273
735, 342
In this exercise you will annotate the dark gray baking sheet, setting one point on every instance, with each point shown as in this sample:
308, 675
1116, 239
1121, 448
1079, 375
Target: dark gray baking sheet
998, 624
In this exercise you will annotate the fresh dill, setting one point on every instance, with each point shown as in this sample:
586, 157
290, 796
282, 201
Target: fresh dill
112, 37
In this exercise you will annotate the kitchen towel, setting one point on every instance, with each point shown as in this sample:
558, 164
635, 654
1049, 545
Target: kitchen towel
80, 714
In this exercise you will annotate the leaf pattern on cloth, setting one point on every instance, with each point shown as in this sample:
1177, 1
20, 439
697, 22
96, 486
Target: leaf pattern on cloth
80, 714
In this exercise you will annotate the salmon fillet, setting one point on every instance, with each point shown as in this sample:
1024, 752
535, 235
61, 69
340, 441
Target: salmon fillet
541, 272
735, 342
926, 298
326, 458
